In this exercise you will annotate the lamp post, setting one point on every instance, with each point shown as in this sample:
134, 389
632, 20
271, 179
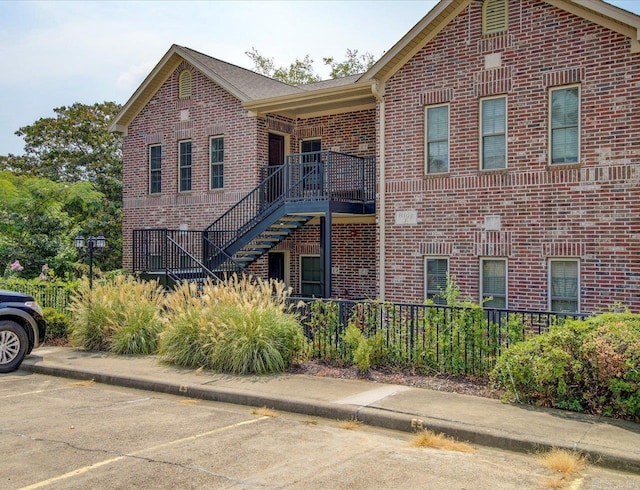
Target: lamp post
92, 243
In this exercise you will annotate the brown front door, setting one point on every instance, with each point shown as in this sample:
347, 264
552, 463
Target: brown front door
276, 158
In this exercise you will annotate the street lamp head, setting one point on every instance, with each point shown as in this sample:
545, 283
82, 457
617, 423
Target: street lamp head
100, 241
79, 241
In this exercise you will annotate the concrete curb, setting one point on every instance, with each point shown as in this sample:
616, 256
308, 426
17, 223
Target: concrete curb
377, 417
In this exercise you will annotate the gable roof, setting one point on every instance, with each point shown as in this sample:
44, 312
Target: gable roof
243, 84
597, 11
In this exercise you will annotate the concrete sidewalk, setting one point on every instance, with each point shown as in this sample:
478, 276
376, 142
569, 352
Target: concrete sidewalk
610, 443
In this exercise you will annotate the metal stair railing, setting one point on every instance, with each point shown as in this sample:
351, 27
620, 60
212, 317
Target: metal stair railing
304, 177
180, 265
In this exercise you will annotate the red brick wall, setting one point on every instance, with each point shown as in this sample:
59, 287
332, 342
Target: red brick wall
353, 258
211, 112
588, 210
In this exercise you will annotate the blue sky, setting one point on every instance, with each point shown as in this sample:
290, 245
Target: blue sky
59, 52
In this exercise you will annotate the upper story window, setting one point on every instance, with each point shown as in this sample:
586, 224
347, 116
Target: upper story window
436, 270
155, 169
495, 16
216, 162
493, 283
437, 139
184, 164
184, 85
493, 127
564, 124
564, 285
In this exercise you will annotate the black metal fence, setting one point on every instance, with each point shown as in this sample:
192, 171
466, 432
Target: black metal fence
444, 339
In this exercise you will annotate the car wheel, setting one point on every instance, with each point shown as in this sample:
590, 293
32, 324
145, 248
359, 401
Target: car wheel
13, 345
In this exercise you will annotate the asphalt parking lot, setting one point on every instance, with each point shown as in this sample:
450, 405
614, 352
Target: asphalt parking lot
60, 433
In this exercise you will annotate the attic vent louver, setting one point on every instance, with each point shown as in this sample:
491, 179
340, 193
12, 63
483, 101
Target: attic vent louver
184, 85
495, 16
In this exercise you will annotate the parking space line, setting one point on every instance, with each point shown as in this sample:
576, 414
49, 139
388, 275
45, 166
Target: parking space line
46, 390
94, 466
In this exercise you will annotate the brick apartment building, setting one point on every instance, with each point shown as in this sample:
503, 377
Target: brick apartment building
498, 142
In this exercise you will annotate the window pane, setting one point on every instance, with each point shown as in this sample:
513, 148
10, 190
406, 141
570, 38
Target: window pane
494, 148
565, 118
155, 169
436, 280
310, 276
494, 283
493, 116
216, 160
493, 152
185, 165
564, 285
437, 139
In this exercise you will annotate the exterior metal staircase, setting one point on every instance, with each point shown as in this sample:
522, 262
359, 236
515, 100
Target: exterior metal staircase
288, 197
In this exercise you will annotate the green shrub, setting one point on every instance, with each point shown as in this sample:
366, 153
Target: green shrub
57, 324
326, 329
591, 366
121, 314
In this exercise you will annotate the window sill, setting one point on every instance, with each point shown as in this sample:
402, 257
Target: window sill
438, 175
563, 166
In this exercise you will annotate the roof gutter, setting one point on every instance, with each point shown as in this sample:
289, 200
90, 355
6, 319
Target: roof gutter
378, 92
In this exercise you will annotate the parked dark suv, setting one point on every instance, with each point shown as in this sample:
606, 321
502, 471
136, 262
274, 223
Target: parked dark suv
22, 327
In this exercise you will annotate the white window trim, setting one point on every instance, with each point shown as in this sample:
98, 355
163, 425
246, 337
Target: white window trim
563, 259
179, 167
300, 257
426, 139
432, 257
550, 129
506, 134
506, 278
149, 163
211, 164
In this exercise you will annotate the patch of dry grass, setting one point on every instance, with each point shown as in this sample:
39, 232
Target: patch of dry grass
563, 461
427, 438
88, 382
264, 412
349, 424
190, 401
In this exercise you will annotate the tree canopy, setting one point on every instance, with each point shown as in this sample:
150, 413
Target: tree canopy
71, 171
301, 72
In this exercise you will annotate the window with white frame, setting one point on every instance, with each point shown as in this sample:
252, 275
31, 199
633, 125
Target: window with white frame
184, 166
564, 285
436, 139
493, 283
493, 141
216, 162
436, 271
564, 124
155, 169
310, 276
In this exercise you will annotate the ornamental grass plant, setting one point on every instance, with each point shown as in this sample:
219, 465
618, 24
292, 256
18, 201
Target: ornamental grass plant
238, 326
122, 315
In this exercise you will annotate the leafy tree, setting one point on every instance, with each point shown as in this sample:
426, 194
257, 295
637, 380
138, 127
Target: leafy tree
297, 73
352, 65
76, 146
301, 72
39, 218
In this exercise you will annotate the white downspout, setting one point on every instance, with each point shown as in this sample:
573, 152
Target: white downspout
378, 93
